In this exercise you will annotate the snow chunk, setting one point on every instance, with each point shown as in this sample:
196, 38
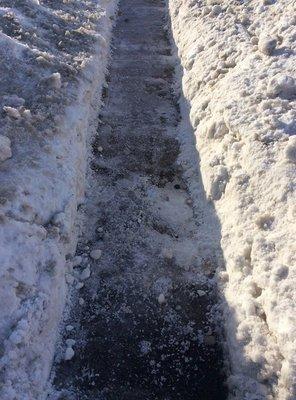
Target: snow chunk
267, 45
69, 354
54, 81
5, 149
283, 86
79, 285
70, 342
216, 129
85, 274
77, 261
219, 182
290, 151
26, 114
69, 328
96, 254
16, 337
161, 299
12, 112
216, 10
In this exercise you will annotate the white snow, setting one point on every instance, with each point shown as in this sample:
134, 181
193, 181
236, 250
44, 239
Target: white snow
239, 68
53, 62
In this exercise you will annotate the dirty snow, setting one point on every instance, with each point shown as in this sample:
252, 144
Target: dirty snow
239, 82
53, 61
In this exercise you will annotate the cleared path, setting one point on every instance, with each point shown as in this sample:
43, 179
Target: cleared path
142, 325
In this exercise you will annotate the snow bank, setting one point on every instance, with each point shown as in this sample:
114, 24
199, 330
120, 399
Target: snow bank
239, 79
53, 62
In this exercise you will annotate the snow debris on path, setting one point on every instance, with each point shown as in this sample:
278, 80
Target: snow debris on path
141, 326
96, 254
53, 62
161, 298
85, 274
69, 354
239, 80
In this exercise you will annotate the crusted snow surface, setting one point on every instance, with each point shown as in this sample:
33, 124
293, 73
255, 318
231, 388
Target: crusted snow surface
239, 81
53, 61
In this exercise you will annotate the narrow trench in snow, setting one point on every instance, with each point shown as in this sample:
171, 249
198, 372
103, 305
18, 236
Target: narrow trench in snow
143, 326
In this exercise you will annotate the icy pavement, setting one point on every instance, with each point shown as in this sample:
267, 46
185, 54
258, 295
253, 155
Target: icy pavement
143, 324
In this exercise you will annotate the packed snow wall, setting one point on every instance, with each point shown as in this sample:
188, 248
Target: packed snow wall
238, 66
53, 62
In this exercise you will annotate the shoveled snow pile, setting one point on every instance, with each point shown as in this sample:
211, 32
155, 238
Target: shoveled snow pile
239, 61
53, 62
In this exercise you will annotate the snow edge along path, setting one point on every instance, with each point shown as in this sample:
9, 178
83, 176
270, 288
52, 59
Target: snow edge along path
239, 82
37, 233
